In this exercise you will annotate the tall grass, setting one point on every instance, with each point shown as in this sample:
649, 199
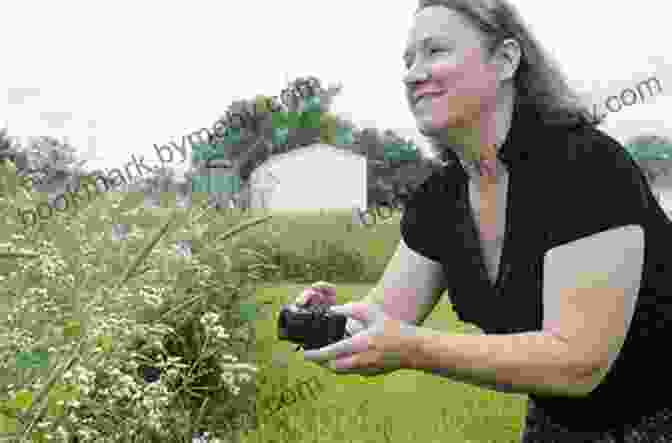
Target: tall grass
104, 312
309, 246
145, 344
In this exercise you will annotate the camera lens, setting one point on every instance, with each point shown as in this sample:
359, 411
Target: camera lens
283, 330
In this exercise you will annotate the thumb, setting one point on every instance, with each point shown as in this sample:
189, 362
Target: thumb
358, 311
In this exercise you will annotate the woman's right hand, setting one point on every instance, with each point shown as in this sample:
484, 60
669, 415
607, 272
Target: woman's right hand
319, 293
324, 293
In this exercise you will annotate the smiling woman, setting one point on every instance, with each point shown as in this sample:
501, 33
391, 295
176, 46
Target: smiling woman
553, 271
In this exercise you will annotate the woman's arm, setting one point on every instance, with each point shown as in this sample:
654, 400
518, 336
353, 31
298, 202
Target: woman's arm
590, 290
409, 289
533, 362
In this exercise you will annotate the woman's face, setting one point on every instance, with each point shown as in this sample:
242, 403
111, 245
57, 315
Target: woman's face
462, 83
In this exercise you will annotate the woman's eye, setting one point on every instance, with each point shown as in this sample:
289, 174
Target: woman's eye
434, 50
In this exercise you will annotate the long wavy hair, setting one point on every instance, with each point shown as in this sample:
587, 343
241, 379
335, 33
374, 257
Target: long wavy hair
539, 83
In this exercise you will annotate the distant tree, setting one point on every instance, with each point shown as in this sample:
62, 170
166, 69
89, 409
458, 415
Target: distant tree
338, 131
51, 164
372, 144
652, 153
307, 98
260, 127
7, 150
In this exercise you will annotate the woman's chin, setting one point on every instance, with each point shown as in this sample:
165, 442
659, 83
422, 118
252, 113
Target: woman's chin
429, 128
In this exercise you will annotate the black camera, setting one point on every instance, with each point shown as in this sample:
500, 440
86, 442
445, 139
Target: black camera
311, 327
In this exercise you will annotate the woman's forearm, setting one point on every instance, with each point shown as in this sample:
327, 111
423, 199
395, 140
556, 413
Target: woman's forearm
526, 363
408, 305
414, 314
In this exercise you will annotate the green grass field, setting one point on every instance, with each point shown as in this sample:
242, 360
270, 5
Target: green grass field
405, 406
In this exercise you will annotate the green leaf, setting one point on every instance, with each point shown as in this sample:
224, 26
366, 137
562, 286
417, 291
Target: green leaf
344, 136
8, 425
201, 152
397, 151
248, 311
145, 252
261, 104
39, 437
200, 183
36, 359
220, 148
312, 104
105, 342
72, 329
12, 255
232, 136
279, 119
649, 151
310, 119
61, 393
225, 183
294, 120
54, 409
280, 136
23, 400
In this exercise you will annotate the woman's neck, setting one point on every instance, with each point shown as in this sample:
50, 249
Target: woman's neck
477, 147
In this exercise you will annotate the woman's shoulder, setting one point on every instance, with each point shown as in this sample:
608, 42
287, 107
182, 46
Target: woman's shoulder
582, 143
579, 156
430, 209
440, 180
593, 185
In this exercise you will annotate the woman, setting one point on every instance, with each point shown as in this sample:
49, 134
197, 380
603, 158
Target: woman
541, 227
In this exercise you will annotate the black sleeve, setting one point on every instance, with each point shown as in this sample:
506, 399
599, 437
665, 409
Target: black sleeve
605, 190
425, 217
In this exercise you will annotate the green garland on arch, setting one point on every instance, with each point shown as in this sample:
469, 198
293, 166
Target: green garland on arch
642, 151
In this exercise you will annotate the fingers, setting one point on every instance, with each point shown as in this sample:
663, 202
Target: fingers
317, 293
307, 296
311, 296
325, 286
354, 327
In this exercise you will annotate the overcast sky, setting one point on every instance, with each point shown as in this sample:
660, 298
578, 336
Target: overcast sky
132, 74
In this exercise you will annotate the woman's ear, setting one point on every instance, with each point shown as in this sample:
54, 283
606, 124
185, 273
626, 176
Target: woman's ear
507, 57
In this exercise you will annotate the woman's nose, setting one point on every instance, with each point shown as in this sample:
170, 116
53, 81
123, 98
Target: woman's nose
416, 74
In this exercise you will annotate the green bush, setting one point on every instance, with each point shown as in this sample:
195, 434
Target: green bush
105, 312
311, 246
324, 261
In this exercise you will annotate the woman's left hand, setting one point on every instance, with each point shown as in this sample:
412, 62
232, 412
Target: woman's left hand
385, 345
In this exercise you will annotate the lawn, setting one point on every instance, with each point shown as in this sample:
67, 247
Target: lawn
357, 409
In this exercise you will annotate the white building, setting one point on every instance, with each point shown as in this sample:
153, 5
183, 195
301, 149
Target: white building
312, 178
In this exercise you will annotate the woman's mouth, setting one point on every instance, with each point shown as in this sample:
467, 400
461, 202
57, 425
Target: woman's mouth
426, 98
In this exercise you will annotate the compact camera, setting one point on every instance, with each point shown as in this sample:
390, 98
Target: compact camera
311, 327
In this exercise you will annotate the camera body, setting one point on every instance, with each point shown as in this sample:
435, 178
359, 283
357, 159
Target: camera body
311, 327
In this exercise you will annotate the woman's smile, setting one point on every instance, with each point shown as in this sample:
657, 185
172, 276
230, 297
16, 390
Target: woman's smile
427, 98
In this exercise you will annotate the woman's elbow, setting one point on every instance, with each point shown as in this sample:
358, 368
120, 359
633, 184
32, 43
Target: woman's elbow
584, 382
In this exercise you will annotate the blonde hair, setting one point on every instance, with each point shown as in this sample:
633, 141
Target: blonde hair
539, 83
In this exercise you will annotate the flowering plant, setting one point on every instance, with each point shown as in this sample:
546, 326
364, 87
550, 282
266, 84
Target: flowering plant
153, 348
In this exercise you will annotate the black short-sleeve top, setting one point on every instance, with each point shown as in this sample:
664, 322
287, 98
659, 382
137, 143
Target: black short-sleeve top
566, 182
